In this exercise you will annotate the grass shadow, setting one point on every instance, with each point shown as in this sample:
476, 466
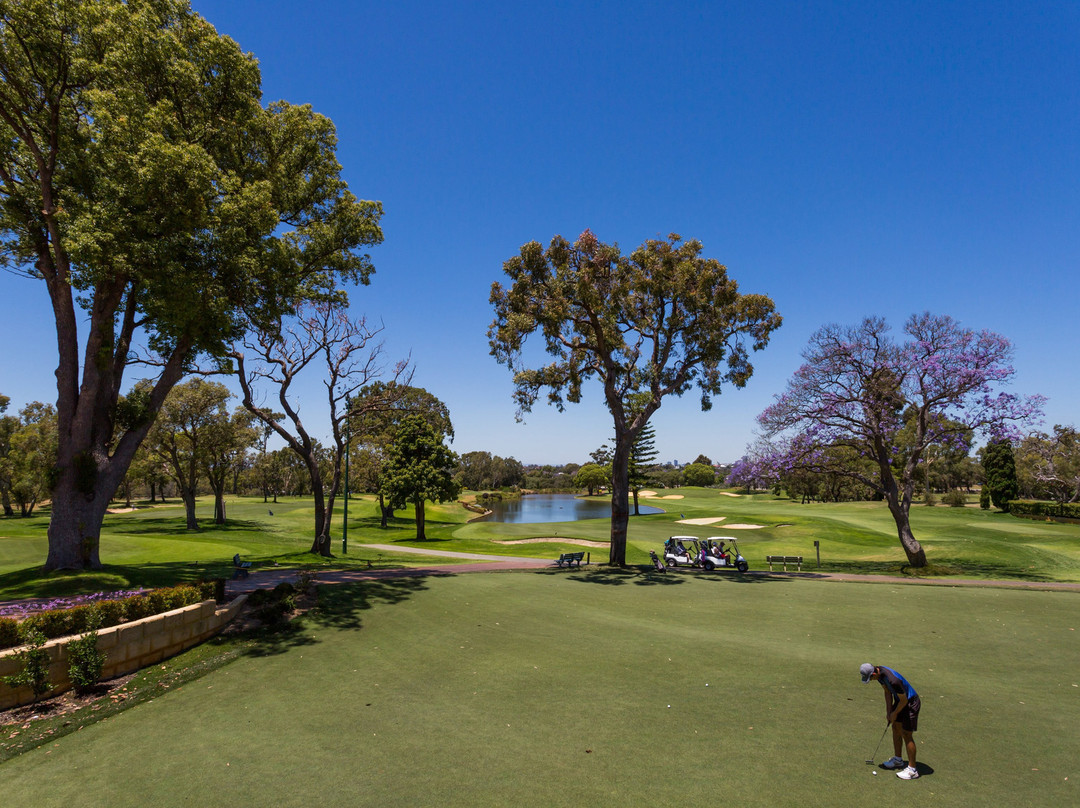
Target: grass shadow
341, 605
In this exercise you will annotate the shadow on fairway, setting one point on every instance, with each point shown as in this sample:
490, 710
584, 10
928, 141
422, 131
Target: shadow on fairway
613, 576
340, 605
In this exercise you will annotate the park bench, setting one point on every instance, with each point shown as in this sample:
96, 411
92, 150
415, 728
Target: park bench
240, 568
785, 560
570, 559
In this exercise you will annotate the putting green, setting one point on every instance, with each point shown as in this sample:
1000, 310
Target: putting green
603, 688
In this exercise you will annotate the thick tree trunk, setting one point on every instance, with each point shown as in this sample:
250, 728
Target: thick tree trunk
75, 526
620, 503
219, 507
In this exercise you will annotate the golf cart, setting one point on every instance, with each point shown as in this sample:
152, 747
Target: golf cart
721, 553
682, 551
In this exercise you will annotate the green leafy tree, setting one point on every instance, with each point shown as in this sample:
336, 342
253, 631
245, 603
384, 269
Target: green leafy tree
999, 465
31, 458
159, 204
418, 468
699, 474
227, 444
187, 432
8, 425
655, 323
592, 477
703, 460
378, 411
1049, 465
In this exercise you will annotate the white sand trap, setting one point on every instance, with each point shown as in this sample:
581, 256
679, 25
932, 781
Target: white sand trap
582, 542
672, 496
729, 494
744, 527
646, 493
705, 520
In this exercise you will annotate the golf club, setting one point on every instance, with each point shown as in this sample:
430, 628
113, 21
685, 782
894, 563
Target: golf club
876, 748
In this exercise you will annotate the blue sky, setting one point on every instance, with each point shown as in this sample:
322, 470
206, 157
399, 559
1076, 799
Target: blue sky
844, 159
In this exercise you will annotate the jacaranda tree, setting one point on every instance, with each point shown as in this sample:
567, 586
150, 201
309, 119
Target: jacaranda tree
860, 388
647, 325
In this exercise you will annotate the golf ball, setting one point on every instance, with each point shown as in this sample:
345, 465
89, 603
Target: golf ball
873, 772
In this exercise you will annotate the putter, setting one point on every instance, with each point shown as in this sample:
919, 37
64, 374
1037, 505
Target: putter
876, 748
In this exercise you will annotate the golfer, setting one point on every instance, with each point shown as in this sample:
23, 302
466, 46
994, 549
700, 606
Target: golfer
901, 711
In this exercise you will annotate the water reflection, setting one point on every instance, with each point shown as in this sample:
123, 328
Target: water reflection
554, 508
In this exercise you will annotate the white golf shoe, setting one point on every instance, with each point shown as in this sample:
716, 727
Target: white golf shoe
910, 773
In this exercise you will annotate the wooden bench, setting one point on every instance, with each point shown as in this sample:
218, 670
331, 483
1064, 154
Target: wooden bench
240, 568
785, 560
570, 559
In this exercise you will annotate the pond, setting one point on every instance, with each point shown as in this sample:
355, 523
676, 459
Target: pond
554, 508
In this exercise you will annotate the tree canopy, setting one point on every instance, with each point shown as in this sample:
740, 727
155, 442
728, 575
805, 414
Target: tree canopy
143, 182
654, 323
418, 467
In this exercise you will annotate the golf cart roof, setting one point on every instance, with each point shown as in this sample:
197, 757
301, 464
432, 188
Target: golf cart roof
683, 538
720, 538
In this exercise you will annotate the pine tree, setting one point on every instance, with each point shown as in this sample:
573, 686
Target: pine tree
642, 455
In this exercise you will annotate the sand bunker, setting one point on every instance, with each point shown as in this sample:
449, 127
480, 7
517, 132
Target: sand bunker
646, 493
582, 542
659, 496
744, 527
672, 496
729, 494
705, 520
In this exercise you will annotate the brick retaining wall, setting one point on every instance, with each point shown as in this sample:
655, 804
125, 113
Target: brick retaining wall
128, 646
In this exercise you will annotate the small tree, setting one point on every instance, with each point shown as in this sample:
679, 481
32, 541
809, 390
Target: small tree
699, 474
33, 664
592, 477
85, 660
642, 455
999, 464
418, 467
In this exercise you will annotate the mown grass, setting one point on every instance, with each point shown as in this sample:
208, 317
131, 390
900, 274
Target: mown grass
151, 546
601, 687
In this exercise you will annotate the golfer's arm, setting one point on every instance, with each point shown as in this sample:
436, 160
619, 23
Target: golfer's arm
901, 703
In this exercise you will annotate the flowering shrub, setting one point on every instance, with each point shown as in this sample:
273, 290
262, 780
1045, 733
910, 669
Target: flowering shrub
113, 608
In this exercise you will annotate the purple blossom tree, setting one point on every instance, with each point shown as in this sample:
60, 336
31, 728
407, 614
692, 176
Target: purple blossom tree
888, 401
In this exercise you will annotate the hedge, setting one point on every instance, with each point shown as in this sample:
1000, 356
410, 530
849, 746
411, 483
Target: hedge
1041, 508
65, 622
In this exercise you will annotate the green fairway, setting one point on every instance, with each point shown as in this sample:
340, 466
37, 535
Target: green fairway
591, 688
151, 546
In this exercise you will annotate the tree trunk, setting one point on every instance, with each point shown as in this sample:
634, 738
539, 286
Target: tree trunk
74, 527
420, 520
620, 503
636, 511
900, 508
219, 507
188, 496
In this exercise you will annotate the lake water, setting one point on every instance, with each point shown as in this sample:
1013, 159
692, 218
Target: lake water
554, 508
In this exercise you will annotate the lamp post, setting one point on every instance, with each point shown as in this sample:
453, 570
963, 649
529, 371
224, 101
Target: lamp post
345, 516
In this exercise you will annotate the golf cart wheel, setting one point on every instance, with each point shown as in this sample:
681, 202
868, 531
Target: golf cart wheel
743, 566
709, 566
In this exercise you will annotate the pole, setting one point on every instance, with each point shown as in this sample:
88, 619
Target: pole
817, 546
345, 516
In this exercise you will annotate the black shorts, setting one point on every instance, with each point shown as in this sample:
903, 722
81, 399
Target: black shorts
909, 716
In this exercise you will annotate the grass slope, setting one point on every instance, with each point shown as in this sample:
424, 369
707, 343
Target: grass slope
602, 688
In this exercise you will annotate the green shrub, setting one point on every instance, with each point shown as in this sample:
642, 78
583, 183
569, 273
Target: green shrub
1039, 508
955, 498
984, 498
35, 666
85, 661
9, 632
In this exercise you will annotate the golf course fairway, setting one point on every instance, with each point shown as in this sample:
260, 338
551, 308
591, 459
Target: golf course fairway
589, 688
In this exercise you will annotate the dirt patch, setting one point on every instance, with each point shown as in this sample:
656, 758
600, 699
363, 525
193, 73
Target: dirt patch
64, 703
582, 542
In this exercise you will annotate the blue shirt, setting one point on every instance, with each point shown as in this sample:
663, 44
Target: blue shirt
896, 684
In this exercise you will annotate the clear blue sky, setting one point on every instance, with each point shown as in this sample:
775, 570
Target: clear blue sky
845, 159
